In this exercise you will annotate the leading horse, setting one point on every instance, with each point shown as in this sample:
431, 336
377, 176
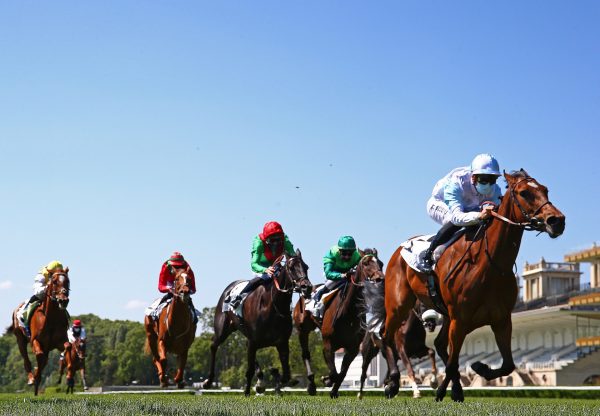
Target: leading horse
267, 320
173, 331
343, 324
49, 324
476, 282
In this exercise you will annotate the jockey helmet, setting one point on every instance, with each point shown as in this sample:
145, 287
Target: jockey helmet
54, 266
430, 314
77, 323
346, 243
176, 259
485, 164
271, 228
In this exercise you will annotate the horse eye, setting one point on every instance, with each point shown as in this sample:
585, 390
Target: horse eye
525, 194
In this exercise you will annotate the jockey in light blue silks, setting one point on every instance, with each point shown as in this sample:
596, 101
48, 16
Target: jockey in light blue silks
458, 200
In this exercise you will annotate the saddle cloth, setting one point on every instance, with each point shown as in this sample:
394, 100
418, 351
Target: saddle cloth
156, 308
414, 249
233, 293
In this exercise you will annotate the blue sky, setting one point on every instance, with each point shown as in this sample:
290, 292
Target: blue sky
132, 129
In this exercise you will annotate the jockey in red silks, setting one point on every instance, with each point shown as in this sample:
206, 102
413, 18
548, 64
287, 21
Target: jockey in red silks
166, 279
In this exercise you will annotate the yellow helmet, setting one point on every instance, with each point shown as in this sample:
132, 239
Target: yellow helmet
54, 266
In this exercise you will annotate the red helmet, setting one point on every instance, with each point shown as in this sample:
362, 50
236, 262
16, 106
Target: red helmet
176, 259
77, 323
271, 228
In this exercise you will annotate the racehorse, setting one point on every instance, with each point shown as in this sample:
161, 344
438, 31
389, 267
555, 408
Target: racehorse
266, 320
174, 330
343, 325
49, 324
73, 360
475, 280
409, 342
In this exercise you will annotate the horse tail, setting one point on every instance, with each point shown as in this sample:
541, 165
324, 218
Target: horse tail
10, 329
147, 349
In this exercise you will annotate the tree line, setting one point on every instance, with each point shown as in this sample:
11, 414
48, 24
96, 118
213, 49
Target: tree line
115, 356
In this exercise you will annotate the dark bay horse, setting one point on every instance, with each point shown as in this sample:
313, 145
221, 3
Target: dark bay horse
476, 282
174, 330
409, 342
73, 361
49, 324
343, 325
267, 319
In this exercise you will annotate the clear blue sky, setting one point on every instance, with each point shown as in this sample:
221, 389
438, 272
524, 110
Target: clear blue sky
132, 129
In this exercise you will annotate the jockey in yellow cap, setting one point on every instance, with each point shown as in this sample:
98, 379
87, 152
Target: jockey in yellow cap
40, 281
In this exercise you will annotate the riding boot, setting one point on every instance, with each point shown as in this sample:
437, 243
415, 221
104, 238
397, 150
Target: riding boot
193, 309
250, 286
166, 297
442, 236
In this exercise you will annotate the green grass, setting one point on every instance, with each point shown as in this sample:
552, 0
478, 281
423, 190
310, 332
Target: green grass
144, 404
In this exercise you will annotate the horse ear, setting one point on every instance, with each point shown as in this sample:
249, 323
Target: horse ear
509, 178
362, 253
375, 252
298, 253
67, 270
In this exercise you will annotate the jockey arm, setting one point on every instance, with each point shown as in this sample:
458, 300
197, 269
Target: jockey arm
257, 252
455, 201
39, 285
192, 282
165, 279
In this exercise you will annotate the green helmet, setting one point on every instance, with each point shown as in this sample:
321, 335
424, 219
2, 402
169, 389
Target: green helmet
346, 243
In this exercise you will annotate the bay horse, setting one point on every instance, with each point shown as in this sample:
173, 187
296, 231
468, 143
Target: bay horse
267, 319
49, 324
343, 325
73, 360
476, 282
409, 342
174, 330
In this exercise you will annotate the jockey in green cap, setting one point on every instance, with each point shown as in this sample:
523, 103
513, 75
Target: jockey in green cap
338, 261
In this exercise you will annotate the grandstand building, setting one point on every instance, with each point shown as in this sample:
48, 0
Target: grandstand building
556, 332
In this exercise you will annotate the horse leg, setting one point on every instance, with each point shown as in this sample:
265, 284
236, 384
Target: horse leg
251, 367
456, 337
369, 351
441, 341
393, 323
260, 388
181, 362
61, 369
82, 372
434, 381
42, 359
22, 343
503, 333
349, 356
409, 371
223, 329
161, 362
329, 356
303, 337
283, 349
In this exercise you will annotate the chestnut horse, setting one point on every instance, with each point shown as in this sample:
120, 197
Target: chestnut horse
49, 324
174, 330
343, 325
73, 360
476, 282
267, 320
409, 342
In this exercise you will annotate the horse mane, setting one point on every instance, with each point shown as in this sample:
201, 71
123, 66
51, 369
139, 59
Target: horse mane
373, 300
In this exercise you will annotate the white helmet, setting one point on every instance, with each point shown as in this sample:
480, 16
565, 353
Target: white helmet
485, 164
430, 314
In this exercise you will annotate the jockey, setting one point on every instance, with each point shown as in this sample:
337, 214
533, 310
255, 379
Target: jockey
40, 281
166, 278
266, 248
76, 332
464, 197
338, 261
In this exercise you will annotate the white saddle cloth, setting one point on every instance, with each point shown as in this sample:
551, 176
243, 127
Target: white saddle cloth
414, 249
233, 293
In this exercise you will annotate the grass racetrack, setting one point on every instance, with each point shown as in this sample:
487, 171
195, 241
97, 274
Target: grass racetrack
161, 404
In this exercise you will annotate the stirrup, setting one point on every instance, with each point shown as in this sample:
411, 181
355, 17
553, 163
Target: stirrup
235, 302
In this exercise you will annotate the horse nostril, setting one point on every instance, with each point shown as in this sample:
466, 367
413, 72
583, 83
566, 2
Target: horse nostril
551, 221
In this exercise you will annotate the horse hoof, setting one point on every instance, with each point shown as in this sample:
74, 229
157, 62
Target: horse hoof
312, 389
359, 396
334, 394
181, 384
391, 390
457, 394
434, 383
205, 385
440, 394
259, 389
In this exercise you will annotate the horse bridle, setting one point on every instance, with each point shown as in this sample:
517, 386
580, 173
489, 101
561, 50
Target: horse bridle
285, 266
52, 295
186, 283
358, 267
533, 223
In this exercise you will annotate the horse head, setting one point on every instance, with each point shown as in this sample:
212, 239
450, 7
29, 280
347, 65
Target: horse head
533, 206
297, 270
369, 268
79, 350
182, 284
58, 288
